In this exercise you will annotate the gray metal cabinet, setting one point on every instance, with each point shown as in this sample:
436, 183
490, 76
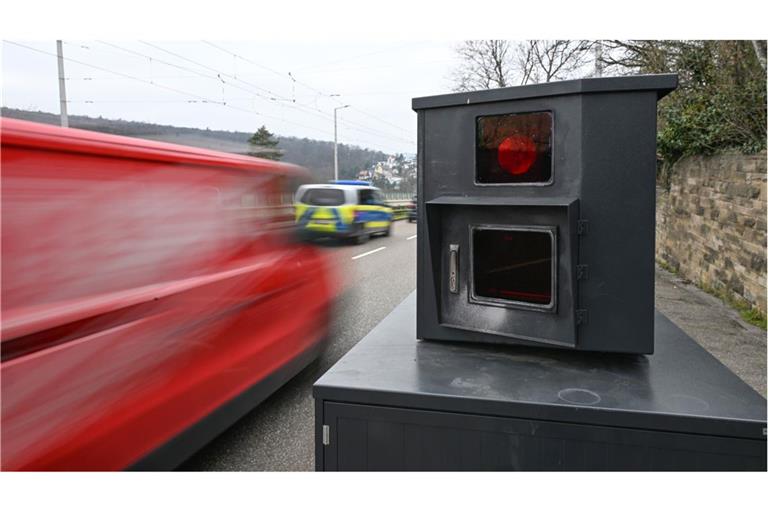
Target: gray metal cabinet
396, 403
368, 438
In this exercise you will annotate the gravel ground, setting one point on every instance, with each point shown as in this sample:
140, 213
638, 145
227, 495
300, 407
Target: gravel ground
716, 327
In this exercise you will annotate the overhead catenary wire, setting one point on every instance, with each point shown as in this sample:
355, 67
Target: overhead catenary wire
357, 109
294, 80
155, 77
99, 68
249, 61
133, 101
292, 77
144, 56
275, 96
217, 77
197, 97
203, 99
205, 66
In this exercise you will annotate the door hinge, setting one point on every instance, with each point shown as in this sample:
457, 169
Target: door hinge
582, 227
582, 272
326, 435
581, 316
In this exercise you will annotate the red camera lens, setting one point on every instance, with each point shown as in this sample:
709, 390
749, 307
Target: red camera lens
514, 148
517, 154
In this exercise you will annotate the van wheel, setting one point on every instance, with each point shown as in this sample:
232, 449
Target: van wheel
388, 231
361, 235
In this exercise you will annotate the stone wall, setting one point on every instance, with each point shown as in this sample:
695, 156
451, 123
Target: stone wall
711, 224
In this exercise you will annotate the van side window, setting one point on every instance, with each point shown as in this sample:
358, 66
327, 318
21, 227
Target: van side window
323, 197
366, 196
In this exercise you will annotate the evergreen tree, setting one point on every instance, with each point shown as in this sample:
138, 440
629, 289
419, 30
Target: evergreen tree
264, 144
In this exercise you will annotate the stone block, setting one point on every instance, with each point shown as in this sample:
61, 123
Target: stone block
711, 223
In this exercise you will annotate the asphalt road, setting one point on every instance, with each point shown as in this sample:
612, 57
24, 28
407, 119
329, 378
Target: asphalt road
278, 435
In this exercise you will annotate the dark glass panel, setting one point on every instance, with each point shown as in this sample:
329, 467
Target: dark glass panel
513, 265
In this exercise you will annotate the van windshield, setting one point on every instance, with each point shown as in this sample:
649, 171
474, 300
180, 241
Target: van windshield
323, 197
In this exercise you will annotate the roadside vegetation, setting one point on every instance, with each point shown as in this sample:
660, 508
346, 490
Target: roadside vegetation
719, 106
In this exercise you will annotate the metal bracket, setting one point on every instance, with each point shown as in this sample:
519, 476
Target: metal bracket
326, 435
581, 316
582, 227
582, 272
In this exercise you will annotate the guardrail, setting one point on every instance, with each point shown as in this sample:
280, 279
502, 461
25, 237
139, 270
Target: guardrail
398, 196
399, 209
399, 202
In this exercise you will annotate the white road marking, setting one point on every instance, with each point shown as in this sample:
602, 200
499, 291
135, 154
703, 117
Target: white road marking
369, 252
411, 237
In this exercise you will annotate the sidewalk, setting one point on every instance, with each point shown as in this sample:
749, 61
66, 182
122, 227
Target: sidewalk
715, 326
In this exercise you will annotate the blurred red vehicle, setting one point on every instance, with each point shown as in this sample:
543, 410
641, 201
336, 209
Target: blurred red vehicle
151, 295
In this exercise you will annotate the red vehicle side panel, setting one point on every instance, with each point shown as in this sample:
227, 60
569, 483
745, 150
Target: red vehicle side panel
143, 286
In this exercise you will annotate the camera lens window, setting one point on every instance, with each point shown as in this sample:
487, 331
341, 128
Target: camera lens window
513, 265
514, 148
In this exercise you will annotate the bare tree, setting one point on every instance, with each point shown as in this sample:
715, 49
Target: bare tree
645, 56
487, 64
526, 65
548, 60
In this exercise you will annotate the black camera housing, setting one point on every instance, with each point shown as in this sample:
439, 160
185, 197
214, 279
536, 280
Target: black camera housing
536, 208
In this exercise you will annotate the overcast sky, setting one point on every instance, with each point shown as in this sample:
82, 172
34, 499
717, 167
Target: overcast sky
239, 85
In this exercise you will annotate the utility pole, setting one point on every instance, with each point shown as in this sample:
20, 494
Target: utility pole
62, 87
598, 59
336, 144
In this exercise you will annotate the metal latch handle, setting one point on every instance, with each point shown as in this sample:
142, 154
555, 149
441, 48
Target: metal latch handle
453, 268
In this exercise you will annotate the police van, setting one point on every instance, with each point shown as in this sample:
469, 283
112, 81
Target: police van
342, 209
